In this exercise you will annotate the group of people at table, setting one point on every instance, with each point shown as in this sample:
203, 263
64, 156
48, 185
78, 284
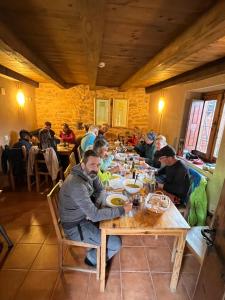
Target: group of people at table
82, 197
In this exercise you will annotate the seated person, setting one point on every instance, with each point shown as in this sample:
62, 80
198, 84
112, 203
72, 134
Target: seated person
177, 181
24, 143
101, 148
160, 142
67, 135
87, 141
80, 206
47, 137
146, 148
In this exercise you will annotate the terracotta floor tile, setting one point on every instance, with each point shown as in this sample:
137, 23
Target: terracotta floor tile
47, 258
38, 285
159, 259
24, 218
137, 286
74, 256
190, 264
51, 238
112, 290
22, 256
41, 218
161, 283
152, 241
170, 240
35, 234
131, 241
71, 286
10, 281
15, 233
115, 263
189, 281
133, 259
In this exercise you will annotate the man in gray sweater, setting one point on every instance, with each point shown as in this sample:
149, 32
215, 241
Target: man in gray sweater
81, 201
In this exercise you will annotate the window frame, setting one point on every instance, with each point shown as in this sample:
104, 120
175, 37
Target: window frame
219, 97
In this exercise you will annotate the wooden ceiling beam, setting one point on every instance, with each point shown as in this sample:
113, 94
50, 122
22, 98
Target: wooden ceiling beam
207, 29
12, 74
92, 18
19, 49
208, 70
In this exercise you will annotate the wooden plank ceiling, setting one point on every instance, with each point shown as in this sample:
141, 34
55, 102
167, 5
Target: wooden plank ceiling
143, 43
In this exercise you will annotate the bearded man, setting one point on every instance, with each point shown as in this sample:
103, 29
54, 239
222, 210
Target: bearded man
81, 204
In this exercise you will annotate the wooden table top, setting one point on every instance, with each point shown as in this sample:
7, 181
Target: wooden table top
171, 219
65, 150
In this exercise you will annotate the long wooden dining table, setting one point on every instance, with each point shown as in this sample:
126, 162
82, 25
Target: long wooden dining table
170, 223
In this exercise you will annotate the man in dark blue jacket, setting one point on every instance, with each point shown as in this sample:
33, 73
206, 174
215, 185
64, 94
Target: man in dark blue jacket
147, 148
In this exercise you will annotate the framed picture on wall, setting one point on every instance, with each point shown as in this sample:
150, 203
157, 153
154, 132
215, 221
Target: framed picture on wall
120, 113
102, 111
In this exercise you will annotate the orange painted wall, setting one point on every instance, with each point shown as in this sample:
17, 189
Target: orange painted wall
12, 117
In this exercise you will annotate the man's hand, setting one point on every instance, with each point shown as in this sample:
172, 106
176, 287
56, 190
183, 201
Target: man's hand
160, 185
127, 207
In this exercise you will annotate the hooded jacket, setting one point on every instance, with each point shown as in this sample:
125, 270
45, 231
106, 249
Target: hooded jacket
75, 199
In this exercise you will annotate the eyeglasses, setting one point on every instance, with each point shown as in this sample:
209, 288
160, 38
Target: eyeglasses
162, 157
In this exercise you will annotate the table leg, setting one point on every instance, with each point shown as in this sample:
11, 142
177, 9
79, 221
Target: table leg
174, 248
178, 260
103, 261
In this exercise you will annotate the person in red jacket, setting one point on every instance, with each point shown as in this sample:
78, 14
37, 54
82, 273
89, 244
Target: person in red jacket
67, 135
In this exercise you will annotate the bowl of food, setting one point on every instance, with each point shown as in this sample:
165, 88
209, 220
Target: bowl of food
116, 181
116, 200
132, 186
157, 203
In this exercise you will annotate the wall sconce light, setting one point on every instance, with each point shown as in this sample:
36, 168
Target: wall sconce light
20, 98
161, 105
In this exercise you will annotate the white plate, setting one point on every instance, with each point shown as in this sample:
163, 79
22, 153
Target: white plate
111, 196
120, 156
132, 190
157, 207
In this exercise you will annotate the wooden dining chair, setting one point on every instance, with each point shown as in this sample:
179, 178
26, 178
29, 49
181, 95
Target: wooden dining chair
72, 159
79, 153
62, 240
40, 168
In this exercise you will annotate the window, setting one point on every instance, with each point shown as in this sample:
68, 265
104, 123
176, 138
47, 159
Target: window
206, 125
120, 112
102, 111
113, 112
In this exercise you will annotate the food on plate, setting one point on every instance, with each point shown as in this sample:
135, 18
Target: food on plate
132, 185
164, 203
117, 201
115, 176
154, 200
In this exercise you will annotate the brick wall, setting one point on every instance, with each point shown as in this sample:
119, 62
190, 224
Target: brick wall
77, 104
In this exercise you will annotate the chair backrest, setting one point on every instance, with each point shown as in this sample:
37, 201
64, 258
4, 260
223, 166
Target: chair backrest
80, 153
72, 159
53, 198
16, 161
67, 171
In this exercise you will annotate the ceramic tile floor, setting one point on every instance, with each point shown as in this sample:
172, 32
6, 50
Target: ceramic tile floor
141, 270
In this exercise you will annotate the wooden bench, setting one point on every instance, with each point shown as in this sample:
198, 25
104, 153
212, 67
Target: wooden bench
196, 243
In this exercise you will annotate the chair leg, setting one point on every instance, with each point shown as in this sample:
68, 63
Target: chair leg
12, 181
98, 264
60, 255
6, 237
28, 183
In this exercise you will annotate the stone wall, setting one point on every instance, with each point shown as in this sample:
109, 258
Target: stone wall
77, 104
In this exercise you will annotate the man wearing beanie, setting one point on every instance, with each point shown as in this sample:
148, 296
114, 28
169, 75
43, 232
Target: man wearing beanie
146, 148
177, 181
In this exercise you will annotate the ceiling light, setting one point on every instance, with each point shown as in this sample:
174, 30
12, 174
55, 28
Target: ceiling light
101, 64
